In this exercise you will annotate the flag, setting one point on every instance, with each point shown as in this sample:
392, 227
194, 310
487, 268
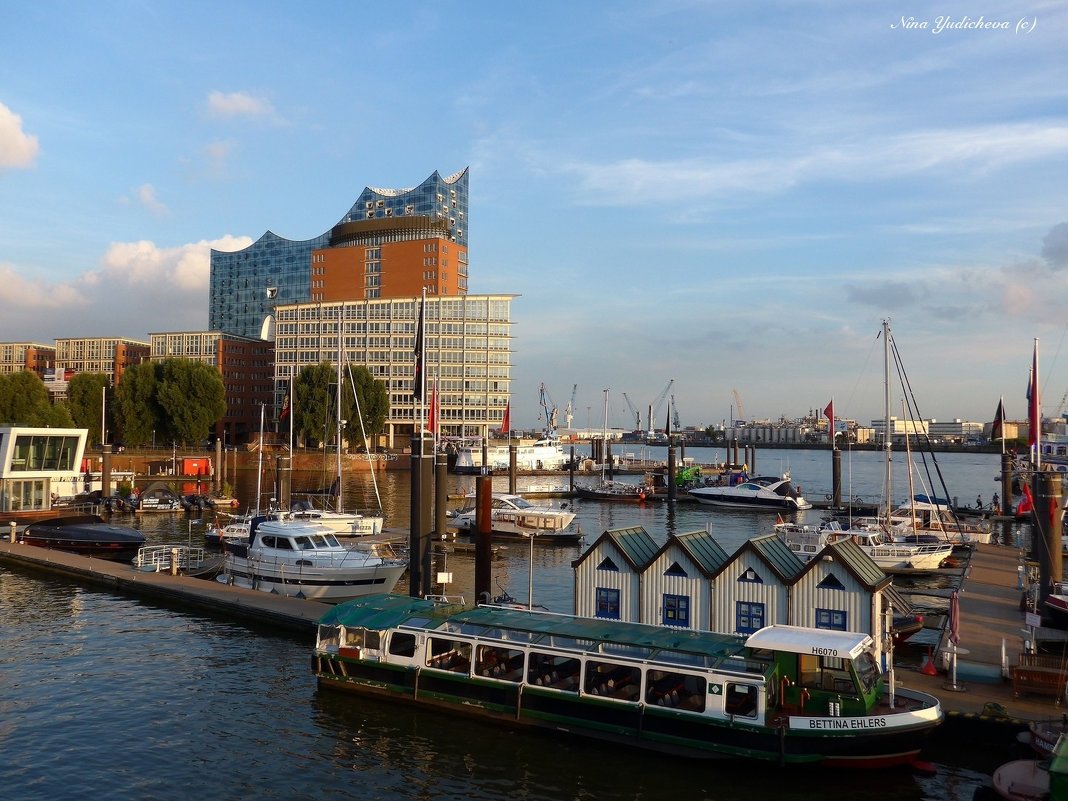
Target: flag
417, 381
1034, 422
432, 420
997, 428
284, 413
1027, 502
829, 414
506, 423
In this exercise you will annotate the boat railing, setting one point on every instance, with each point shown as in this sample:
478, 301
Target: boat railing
164, 558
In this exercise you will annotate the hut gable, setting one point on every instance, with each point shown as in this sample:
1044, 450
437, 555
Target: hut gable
676, 586
608, 574
752, 587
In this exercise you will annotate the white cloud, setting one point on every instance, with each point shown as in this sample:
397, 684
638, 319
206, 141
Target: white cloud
17, 148
139, 288
240, 104
146, 193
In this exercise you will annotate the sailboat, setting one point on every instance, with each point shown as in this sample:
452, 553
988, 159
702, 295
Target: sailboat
607, 489
877, 536
342, 523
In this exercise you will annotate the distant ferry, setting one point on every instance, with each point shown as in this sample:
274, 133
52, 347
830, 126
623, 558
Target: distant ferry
543, 454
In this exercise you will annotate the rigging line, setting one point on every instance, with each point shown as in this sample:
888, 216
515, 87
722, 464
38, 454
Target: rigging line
914, 407
363, 432
851, 397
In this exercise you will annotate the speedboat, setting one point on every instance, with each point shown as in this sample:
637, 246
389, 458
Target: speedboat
768, 493
926, 522
807, 541
304, 559
86, 535
516, 517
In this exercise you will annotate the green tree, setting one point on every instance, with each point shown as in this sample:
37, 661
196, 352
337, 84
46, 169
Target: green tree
85, 399
373, 404
314, 401
24, 401
137, 411
192, 397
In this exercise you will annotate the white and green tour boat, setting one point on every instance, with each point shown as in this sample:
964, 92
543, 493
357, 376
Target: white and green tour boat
784, 694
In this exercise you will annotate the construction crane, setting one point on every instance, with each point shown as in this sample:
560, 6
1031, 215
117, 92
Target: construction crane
569, 410
738, 404
654, 407
550, 409
675, 413
635, 412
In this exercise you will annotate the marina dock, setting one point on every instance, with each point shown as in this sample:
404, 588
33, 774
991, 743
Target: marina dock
991, 626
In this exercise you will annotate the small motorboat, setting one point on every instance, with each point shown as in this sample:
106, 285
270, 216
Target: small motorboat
515, 517
86, 535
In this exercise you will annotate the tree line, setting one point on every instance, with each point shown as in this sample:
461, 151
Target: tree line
177, 400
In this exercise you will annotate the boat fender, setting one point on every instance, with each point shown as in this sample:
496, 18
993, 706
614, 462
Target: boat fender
234, 503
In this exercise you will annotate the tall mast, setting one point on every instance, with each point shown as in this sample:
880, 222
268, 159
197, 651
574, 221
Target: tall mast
887, 439
340, 481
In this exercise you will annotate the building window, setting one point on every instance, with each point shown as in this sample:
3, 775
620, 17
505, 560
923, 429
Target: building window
676, 570
608, 564
607, 603
831, 582
834, 619
751, 576
677, 611
748, 616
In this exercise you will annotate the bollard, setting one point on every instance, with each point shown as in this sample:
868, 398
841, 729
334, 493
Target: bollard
174, 561
14, 537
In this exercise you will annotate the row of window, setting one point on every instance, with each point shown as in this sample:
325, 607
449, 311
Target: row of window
749, 616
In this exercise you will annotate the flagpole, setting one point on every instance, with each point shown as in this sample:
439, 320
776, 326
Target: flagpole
1036, 409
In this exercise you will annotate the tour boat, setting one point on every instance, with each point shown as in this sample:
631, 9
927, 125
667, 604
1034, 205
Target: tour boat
783, 694
545, 454
767, 493
85, 535
305, 559
516, 517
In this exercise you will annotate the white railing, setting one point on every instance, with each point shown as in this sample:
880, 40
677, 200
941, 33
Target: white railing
164, 558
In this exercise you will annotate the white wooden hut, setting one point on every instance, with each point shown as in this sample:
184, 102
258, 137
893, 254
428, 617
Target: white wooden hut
753, 587
677, 588
608, 574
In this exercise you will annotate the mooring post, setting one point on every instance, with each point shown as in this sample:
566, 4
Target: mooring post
484, 540
513, 458
671, 471
836, 479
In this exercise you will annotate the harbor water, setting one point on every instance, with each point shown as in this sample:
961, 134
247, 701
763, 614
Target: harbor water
105, 696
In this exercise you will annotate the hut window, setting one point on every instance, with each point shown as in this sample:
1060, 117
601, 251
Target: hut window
748, 617
835, 619
676, 570
677, 611
607, 603
608, 564
831, 582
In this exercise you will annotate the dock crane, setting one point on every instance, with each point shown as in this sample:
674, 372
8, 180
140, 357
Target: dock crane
635, 412
550, 410
654, 407
675, 413
569, 410
738, 404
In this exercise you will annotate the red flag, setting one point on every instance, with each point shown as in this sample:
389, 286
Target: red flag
997, 428
1027, 502
829, 414
506, 423
432, 420
1034, 422
284, 413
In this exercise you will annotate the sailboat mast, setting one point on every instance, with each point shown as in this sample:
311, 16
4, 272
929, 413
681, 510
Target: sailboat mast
340, 481
887, 438
259, 464
604, 438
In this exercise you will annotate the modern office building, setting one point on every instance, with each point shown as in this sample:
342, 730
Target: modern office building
392, 243
247, 369
467, 355
18, 356
108, 355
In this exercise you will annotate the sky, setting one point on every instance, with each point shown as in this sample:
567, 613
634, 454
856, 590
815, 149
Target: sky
730, 196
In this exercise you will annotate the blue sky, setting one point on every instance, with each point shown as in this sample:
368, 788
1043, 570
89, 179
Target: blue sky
730, 195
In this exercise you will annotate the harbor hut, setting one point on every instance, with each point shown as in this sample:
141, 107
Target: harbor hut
842, 589
677, 588
753, 587
608, 574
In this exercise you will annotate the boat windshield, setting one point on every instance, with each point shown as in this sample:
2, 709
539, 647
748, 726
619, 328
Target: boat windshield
867, 670
522, 503
331, 541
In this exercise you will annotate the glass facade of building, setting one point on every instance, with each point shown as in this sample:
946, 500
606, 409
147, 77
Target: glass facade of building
247, 285
467, 347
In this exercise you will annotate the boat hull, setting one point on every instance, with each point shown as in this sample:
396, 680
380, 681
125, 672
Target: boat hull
646, 726
756, 503
330, 585
85, 536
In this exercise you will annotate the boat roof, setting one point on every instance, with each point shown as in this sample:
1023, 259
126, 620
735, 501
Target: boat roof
661, 643
821, 642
